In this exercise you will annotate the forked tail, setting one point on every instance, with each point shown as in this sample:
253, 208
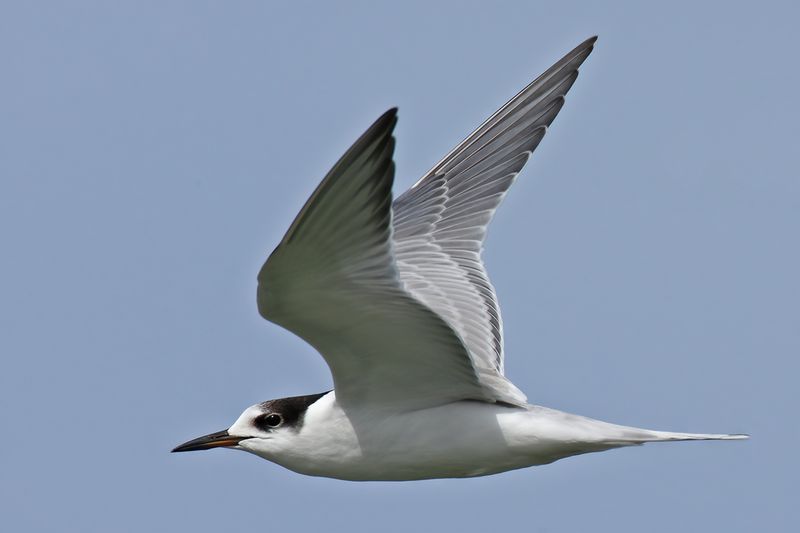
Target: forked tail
617, 435
660, 436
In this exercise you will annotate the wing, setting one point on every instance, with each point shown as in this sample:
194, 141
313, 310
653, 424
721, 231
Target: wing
334, 282
440, 223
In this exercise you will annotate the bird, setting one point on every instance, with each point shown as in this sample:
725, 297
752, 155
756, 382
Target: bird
394, 295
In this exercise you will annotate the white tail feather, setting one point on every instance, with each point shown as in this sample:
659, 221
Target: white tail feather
658, 436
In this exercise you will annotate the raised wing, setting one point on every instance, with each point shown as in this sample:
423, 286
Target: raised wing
440, 223
334, 282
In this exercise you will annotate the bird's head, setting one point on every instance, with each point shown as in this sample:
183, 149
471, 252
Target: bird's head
260, 428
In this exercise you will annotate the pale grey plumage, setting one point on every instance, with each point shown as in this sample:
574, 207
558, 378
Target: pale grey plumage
391, 292
440, 223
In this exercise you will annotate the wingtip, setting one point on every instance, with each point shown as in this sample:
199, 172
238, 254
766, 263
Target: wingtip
383, 125
389, 114
588, 43
387, 120
581, 51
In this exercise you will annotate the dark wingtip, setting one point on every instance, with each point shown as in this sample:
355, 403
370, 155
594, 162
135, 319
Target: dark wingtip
385, 122
588, 43
388, 117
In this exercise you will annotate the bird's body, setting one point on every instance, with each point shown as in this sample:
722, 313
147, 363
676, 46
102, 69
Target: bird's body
395, 297
459, 439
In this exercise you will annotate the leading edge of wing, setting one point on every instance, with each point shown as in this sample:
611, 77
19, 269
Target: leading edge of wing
482, 134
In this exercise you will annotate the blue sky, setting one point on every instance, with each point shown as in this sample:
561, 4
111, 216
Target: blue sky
153, 153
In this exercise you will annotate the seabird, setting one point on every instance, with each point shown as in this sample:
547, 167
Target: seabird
394, 296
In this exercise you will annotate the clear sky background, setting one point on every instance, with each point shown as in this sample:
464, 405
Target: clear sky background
153, 153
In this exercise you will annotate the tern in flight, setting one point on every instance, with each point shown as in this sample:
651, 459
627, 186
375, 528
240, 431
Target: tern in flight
394, 296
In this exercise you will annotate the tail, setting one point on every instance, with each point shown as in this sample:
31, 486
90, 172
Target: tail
616, 435
573, 434
664, 436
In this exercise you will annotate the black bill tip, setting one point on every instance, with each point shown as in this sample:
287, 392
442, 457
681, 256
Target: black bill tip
220, 439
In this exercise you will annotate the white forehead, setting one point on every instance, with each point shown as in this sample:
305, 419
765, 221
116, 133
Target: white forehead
244, 424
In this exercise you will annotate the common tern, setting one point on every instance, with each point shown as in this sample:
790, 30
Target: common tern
395, 297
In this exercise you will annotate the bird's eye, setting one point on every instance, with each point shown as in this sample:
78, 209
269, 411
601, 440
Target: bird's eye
269, 421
